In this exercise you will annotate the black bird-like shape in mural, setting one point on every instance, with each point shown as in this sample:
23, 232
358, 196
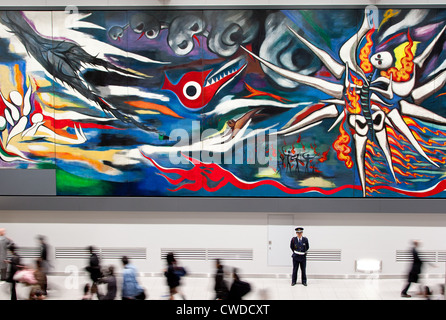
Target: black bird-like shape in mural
63, 59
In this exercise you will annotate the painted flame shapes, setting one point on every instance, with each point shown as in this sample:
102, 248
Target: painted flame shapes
255, 93
398, 74
353, 105
341, 146
411, 122
374, 176
322, 158
407, 66
352, 102
403, 162
435, 152
364, 54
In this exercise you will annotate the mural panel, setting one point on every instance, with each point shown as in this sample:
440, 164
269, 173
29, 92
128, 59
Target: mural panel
239, 103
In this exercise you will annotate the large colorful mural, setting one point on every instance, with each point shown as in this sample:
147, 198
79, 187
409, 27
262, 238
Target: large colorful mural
239, 103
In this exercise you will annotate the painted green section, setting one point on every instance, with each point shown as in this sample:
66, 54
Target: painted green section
68, 183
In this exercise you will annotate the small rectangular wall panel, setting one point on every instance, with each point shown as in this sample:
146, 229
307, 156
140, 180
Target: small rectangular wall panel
22, 182
337, 102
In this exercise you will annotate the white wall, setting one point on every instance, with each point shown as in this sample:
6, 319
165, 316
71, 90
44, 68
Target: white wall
359, 235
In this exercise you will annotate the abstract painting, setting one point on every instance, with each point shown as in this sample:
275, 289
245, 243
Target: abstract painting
341, 102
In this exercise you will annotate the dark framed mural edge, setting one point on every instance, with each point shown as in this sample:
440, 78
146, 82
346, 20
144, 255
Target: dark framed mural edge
202, 205
339, 102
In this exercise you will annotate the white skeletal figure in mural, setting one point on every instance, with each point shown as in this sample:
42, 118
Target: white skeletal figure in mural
39, 130
16, 112
371, 120
18, 115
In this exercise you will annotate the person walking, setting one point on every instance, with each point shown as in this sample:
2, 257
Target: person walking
38, 290
14, 266
173, 274
131, 289
415, 269
238, 288
45, 264
299, 246
110, 281
221, 286
5, 242
43, 254
94, 268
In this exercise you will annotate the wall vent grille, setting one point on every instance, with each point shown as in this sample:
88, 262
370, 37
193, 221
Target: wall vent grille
73, 253
324, 255
27, 252
209, 254
441, 256
185, 254
118, 253
425, 256
103, 253
230, 254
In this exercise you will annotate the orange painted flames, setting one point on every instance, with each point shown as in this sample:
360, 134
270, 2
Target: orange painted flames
364, 54
353, 104
407, 66
341, 146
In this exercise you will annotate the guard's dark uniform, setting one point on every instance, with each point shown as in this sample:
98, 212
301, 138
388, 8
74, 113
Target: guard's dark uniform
299, 259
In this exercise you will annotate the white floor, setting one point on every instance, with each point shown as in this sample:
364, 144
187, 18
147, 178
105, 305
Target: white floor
196, 288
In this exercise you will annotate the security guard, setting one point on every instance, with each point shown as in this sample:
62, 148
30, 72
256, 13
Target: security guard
299, 246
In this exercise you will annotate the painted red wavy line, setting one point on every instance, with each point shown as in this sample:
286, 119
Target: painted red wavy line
216, 173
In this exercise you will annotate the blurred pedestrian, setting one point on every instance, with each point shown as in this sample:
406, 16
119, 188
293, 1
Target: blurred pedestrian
238, 288
427, 293
14, 266
45, 264
87, 294
38, 290
94, 268
221, 286
43, 254
110, 280
440, 295
173, 274
131, 289
5, 242
415, 269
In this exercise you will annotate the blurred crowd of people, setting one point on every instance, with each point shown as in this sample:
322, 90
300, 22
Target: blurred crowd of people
103, 284
133, 290
14, 271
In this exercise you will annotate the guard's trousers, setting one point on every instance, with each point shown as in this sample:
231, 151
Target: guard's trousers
302, 263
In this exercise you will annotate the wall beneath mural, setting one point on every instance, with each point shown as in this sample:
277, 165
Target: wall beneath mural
341, 102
